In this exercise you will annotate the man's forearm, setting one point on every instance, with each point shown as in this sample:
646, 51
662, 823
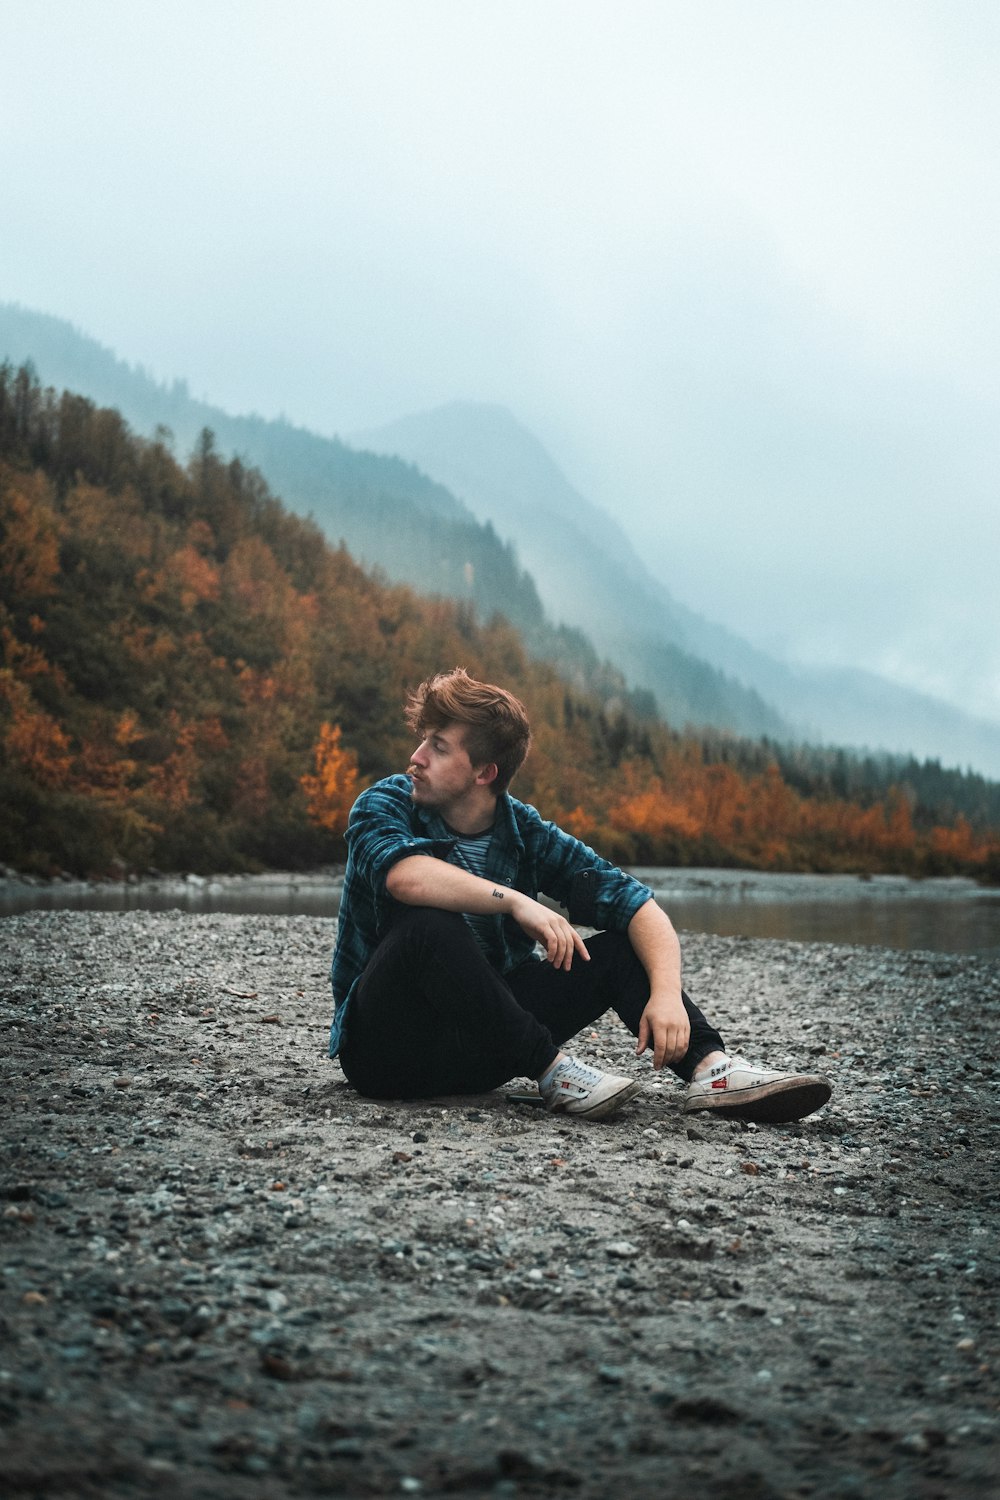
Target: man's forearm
422, 880
664, 1024
657, 948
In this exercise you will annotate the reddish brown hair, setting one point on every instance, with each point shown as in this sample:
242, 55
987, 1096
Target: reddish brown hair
495, 722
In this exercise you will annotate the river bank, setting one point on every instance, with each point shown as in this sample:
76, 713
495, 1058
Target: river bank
225, 1274
945, 914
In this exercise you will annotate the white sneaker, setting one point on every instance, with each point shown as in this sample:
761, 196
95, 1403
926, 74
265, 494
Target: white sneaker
740, 1091
573, 1088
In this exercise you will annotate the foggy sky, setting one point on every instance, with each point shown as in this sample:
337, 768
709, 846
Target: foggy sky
734, 263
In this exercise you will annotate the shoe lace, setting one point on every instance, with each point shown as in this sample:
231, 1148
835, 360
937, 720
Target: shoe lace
577, 1072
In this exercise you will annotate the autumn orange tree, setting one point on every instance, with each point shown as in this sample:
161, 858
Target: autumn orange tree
331, 791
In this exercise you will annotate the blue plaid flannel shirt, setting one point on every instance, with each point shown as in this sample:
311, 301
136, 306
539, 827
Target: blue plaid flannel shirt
525, 853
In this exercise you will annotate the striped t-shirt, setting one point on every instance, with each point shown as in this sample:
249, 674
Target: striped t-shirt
469, 853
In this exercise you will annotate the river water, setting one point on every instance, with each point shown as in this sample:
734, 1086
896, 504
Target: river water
891, 911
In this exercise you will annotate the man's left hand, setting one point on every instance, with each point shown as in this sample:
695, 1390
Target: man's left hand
665, 1027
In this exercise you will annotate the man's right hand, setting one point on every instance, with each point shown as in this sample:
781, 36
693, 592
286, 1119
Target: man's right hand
558, 937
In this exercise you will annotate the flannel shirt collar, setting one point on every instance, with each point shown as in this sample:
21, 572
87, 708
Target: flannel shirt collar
506, 846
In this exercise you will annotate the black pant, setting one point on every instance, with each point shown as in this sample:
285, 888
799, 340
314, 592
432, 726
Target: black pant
430, 1016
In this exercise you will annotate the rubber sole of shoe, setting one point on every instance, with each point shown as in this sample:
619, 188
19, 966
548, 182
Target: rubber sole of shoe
604, 1107
776, 1103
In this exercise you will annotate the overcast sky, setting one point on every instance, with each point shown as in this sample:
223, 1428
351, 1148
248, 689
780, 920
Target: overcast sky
736, 264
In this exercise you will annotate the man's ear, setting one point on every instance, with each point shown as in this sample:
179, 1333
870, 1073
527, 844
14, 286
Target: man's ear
486, 774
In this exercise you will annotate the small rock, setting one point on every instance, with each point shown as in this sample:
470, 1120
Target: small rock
347, 1448
706, 1409
277, 1366
621, 1250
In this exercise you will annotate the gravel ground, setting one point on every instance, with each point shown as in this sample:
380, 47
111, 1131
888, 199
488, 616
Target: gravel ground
225, 1274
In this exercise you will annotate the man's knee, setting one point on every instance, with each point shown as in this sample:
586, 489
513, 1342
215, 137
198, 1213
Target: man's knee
615, 952
420, 932
429, 922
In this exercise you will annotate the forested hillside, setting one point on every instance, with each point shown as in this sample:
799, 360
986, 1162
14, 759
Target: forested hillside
392, 516
191, 677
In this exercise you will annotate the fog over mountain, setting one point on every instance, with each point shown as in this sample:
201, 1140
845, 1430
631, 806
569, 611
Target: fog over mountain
734, 264
589, 574
480, 476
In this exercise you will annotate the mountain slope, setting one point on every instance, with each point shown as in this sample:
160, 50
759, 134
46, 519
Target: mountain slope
385, 509
507, 479
588, 574
393, 516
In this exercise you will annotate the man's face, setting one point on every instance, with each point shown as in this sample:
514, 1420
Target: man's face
440, 769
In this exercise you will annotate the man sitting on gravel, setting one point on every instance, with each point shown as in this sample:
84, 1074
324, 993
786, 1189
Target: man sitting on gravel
438, 986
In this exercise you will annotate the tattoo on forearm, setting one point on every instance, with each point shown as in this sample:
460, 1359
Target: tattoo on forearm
497, 895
